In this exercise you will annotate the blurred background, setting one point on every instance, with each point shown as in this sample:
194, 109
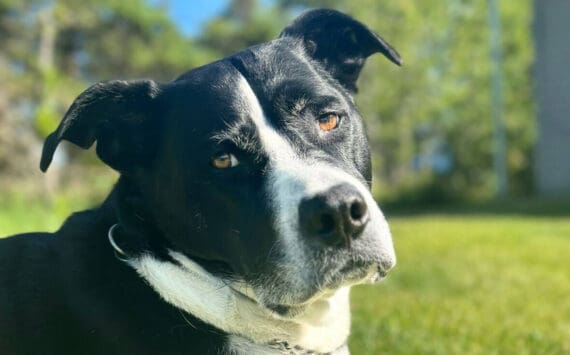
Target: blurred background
470, 142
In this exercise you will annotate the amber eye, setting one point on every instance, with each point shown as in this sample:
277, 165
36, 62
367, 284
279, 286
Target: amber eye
224, 161
328, 122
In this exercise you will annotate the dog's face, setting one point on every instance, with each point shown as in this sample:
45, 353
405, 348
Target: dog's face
257, 166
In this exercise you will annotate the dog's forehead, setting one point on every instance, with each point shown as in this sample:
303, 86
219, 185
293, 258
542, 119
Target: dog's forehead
224, 100
206, 100
280, 71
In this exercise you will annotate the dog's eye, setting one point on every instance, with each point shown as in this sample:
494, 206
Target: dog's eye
224, 161
328, 121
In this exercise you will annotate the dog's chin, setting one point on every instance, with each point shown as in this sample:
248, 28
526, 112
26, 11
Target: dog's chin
359, 273
289, 304
297, 309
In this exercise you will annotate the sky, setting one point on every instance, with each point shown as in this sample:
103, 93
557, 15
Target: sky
190, 15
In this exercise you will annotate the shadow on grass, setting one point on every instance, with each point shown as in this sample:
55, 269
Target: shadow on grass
515, 207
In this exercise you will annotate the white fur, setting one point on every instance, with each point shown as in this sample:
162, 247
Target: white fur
325, 324
293, 178
323, 327
241, 346
238, 345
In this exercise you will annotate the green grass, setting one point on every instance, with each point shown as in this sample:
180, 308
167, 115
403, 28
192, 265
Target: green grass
465, 283
470, 284
18, 215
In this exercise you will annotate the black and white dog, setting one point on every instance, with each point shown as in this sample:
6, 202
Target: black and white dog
241, 218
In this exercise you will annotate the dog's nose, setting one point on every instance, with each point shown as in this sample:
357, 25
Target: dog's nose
334, 217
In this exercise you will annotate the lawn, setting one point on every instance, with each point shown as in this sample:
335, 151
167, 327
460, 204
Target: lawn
465, 283
470, 284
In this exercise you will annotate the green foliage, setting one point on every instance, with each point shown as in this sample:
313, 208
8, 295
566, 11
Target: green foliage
53, 50
132, 39
62, 46
242, 27
438, 102
35, 209
15, 218
442, 93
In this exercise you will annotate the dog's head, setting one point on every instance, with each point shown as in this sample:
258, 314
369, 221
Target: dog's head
257, 166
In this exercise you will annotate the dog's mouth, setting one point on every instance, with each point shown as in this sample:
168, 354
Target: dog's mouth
357, 272
352, 273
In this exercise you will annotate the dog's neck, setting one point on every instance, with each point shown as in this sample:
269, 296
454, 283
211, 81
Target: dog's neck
323, 327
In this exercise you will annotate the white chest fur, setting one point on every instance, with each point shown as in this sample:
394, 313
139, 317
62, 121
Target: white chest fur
323, 327
241, 346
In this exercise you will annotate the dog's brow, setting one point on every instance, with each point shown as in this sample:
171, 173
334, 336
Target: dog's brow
326, 101
242, 135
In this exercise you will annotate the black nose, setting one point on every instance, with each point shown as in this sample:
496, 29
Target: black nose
334, 217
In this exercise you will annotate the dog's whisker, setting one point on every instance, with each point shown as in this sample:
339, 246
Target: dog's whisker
183, 314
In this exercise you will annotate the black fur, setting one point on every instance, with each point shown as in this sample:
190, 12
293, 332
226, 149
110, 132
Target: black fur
69, 293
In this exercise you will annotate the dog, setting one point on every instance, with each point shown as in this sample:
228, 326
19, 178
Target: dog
241, 217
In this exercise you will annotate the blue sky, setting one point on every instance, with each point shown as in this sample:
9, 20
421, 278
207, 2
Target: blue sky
190, 15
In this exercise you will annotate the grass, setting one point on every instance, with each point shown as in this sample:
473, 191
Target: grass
470, 284
466, 282
18, 215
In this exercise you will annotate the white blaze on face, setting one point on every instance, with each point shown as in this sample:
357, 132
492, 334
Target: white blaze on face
325, 324
292, 178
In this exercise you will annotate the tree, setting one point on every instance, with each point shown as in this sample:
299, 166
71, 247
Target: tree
53, 49
439, 100
429, 122
243, 24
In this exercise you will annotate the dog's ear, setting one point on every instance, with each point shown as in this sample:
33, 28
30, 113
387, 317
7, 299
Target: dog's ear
119, 115
339, 42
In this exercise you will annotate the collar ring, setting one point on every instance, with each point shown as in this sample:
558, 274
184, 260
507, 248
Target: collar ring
120, 253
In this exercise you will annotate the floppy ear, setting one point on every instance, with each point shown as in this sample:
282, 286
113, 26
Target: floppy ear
339, 42
119, 115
